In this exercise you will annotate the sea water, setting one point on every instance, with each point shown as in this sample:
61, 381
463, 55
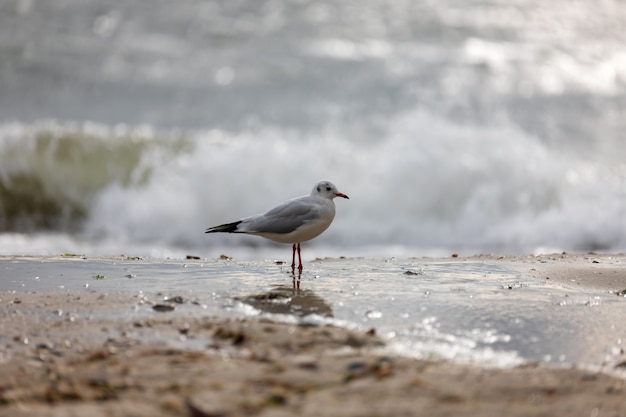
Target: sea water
453, 126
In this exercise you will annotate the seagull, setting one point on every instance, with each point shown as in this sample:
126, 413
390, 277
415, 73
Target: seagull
294, 221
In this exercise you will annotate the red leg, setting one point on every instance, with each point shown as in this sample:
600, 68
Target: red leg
293, 258
299, 259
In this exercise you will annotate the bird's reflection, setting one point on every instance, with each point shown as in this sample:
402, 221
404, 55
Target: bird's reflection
284, 299
295, 281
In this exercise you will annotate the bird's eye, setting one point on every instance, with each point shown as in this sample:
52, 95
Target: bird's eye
327, 188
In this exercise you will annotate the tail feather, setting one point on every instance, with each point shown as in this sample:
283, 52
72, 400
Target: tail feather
224, 228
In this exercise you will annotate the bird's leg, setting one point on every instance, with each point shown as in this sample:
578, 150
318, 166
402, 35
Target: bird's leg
299, 260
293, 259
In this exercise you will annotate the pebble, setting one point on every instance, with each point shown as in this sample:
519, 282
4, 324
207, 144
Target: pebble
163, 308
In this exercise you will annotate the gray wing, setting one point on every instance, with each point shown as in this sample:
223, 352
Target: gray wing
284, 218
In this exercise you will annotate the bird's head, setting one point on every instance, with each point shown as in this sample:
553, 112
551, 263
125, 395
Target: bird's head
327, 189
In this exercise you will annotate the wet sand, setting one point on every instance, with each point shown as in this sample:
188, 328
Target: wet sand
591, 270
76, 354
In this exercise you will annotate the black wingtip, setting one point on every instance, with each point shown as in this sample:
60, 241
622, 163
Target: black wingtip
224, 228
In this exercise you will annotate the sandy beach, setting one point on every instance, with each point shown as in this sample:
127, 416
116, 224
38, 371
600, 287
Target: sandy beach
120, 353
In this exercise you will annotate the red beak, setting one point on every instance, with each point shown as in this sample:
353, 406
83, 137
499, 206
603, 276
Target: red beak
342, 195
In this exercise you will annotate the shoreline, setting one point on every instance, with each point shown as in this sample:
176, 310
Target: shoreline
603, 271
75, 353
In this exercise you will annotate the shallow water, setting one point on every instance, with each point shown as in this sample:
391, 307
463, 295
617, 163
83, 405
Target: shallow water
468, 311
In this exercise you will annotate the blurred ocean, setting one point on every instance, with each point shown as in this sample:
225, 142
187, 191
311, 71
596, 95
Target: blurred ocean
467, 126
